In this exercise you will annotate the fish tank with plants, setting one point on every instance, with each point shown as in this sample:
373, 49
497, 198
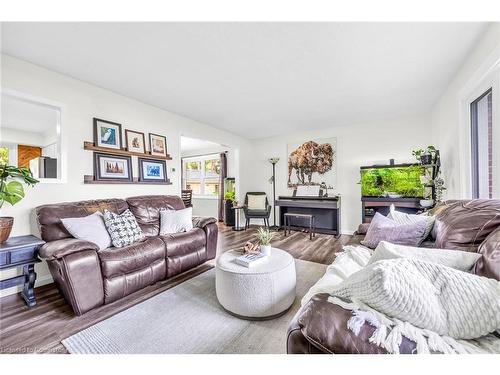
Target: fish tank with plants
401, 180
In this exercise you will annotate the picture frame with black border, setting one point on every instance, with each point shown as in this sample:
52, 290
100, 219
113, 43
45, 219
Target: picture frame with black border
152, 170
108, 167
157, 145
107, 134
129, 141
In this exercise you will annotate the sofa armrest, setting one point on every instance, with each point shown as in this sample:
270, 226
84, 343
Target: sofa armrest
324, 325
60, 248
202, 222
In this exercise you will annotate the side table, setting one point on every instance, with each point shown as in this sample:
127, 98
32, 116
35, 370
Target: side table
21, 251
237, 211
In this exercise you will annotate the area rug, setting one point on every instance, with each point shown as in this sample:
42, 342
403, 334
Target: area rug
189, 319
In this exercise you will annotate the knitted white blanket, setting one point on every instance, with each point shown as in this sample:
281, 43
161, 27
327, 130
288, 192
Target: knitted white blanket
439, 308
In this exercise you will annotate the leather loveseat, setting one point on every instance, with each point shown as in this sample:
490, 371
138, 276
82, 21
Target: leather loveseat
89, 277
466, 225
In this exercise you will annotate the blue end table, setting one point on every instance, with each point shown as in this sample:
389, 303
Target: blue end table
16, 252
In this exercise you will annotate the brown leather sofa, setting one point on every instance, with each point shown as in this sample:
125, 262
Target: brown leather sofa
467, 225
89, 277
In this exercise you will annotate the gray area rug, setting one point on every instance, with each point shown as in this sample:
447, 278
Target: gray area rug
189, 319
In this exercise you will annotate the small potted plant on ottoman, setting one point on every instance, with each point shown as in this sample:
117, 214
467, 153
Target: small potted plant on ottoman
265, 237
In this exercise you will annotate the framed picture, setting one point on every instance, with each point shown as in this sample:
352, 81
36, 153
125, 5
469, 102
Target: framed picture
157, 144
152, 170
112, 167
136, 142
107, 134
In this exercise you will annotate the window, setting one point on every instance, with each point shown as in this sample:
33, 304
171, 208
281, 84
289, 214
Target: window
201, 174
482, 146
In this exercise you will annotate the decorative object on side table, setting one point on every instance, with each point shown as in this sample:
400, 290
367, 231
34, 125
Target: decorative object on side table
265, 237
136, 142
112, 167
12, 191
152, 170
21, 252
107, 134
157, 144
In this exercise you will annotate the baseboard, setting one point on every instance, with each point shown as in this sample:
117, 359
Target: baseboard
347, 232
44, 280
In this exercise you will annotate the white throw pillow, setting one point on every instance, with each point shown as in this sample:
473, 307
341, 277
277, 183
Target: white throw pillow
404, 218
172, 221
89, 228
428, 295
459, 260
256, 202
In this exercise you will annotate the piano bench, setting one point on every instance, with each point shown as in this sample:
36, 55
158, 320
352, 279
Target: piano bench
312, 225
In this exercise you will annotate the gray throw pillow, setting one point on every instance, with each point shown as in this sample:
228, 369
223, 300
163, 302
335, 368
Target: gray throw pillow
89, 228
123, 228
384, 229
404, 218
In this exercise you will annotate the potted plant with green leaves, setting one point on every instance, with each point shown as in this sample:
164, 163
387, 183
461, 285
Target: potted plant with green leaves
265, 236
425, 157
229, 203
11, 192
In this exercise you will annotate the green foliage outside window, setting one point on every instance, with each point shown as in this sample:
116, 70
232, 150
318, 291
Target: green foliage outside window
4, 155
375, 182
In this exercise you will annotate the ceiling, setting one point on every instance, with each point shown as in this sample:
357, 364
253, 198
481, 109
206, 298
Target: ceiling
27, 116
194, 144
258, 79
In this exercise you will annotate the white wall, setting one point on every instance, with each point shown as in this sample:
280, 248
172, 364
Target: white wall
448, 116
357, 145
80, 103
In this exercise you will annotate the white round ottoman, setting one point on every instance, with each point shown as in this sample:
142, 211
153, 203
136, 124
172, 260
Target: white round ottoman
263, 291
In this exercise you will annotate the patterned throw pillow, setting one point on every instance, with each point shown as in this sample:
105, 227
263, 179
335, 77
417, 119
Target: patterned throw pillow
123, 228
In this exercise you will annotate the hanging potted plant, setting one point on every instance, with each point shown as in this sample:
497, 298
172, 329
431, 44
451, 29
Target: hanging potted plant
12, 191
425, 157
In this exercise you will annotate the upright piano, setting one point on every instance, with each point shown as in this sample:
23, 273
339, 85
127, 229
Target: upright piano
326, 211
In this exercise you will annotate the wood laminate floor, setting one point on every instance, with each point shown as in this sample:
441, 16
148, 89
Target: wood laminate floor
41, 329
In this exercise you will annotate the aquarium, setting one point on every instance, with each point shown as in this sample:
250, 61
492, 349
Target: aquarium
402, 180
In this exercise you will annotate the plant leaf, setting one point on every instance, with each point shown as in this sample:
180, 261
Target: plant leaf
13, 192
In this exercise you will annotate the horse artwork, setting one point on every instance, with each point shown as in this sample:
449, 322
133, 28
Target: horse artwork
312, 163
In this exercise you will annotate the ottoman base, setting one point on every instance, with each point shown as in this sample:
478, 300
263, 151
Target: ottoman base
257, 318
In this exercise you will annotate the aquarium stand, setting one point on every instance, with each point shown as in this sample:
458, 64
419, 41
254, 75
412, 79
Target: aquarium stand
372, 205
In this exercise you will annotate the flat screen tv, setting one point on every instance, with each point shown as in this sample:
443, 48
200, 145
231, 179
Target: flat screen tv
402, 179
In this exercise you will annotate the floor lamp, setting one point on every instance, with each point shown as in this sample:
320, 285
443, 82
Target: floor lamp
272, 180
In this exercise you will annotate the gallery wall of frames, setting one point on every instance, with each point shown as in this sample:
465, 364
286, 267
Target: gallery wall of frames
113, 155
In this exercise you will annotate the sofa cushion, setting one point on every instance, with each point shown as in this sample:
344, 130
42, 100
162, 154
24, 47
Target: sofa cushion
465, 224
185, 250
49, 216
184, 242
489, 263
139, 255
146, 210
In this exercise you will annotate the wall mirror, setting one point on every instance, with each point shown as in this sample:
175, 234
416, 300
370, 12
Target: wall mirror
30, 135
